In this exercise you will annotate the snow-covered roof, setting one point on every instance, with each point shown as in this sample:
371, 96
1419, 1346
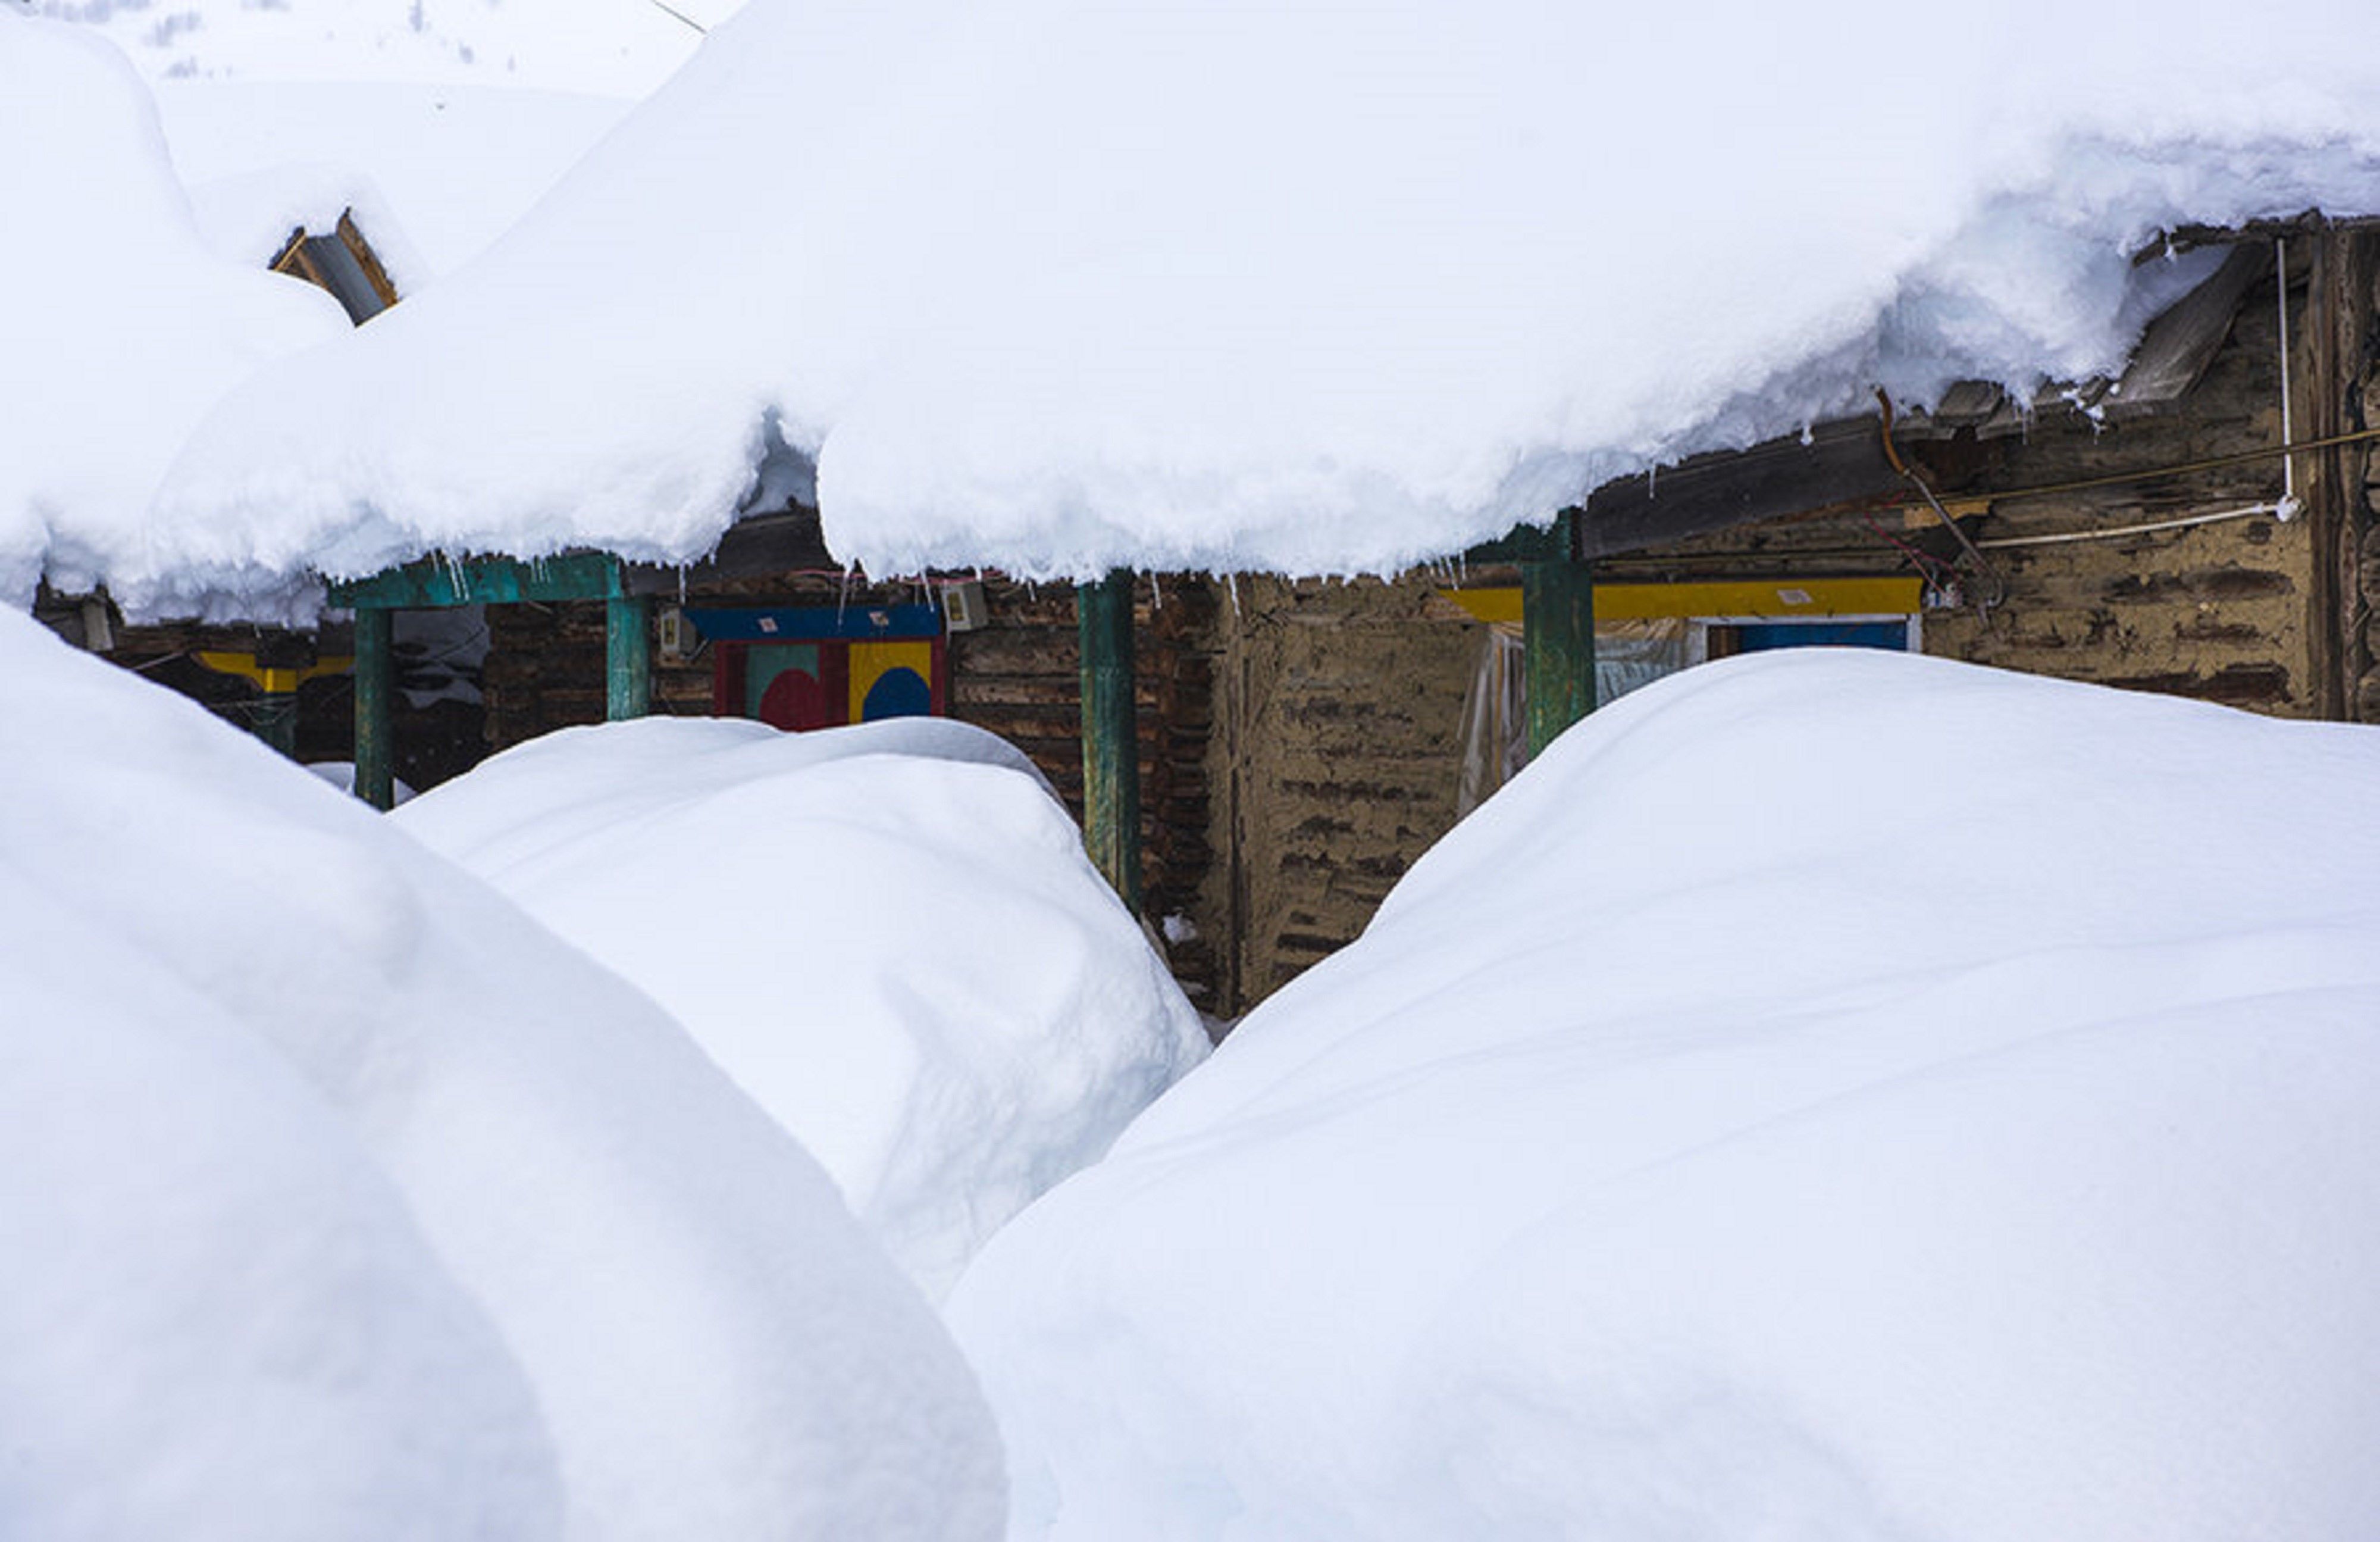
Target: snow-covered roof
1312, 289
119, 326
434, 172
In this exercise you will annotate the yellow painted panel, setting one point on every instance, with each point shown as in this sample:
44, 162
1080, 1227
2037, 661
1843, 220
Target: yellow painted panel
1764, 596
871, 661
274, 681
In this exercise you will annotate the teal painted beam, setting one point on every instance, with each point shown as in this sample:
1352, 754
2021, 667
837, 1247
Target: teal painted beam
435, 583
1111, 736
375, 709
1557, 644
628, 658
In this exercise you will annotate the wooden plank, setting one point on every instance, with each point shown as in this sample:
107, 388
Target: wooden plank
1967, 403
375, 709
757, 546
436, 583
1110, 740
2179, 345
1841, 461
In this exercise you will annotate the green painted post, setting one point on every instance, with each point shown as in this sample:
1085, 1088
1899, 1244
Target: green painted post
1557, 643
1111, 741
276, 721
375, 703
628, 658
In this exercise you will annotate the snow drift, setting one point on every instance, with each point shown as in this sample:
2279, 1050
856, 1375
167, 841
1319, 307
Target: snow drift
1309, 287
1833, 1096
888, 934
345, 1200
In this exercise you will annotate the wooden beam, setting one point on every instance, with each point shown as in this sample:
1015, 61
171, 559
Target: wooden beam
1557, 646
2179, 345
757, 546
1841, 462
628, 658
1110, 736
375, 709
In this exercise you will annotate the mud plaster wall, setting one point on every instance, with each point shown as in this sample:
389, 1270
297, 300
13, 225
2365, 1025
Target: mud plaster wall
2223, 612
1331, 766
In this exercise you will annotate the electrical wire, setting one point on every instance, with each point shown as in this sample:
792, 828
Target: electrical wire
1983, 565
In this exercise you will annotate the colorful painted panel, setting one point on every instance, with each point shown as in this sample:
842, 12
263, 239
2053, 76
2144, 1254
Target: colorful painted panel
891, 680
821, 681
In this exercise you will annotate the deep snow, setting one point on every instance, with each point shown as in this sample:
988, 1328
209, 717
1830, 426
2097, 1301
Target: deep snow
1329, 288
1827, 1095
888, 934
120, 326
342, 1200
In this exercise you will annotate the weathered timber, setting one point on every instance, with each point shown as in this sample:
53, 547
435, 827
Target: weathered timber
1557, 646
628, 658
434, 583
1841, 462
2179, 345
763, 546
375, 670
1111, 758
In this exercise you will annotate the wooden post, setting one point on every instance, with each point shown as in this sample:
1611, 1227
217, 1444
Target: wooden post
1557, 641
276, 721
628, 658
1110, 740
375, 699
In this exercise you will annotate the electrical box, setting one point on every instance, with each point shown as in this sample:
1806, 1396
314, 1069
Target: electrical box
675, 637
963, 609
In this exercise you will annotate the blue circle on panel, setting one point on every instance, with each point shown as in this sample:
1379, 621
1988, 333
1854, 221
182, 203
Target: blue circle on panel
898, 693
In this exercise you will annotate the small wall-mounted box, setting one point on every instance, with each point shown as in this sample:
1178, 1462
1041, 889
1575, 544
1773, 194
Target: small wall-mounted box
964, 607
674, 635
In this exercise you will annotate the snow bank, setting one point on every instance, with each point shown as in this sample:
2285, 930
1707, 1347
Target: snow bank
120, 327
346, 1201
1313, 287
1829, 1095
888, 934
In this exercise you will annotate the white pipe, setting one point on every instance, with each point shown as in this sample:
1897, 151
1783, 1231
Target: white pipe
2289, 506
2282, 510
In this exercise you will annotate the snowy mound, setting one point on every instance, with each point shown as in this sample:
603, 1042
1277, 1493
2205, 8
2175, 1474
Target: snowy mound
434, 174
345, 1201
1831, 1096
1306, 288
120, 327
888, 934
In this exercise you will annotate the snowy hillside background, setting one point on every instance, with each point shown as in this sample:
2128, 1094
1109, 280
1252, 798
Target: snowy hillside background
607, 47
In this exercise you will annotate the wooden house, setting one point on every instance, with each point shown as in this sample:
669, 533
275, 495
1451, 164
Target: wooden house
2200, 527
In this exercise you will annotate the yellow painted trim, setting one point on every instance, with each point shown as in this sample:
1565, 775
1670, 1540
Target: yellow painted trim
1766, 597
273, 682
